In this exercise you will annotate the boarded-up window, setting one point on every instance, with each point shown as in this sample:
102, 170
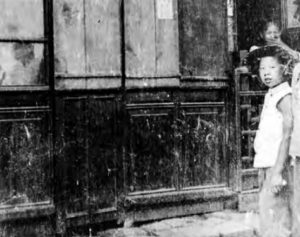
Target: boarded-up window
151, 38
87, 43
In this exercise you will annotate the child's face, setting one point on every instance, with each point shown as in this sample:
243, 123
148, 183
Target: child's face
271, 71
272, 32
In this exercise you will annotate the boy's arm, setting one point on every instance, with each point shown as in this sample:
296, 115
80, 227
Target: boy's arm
285, 107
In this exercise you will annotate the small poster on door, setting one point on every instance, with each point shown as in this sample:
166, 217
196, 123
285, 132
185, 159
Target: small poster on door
164, 9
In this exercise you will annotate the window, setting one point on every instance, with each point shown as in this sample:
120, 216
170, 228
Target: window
23, 43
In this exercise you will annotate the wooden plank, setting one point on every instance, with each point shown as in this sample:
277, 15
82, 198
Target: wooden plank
69, 46
152, 83
203, 38
103, 36
174, 211
21, 18
96, 83
140, 38
70, 84
167, 48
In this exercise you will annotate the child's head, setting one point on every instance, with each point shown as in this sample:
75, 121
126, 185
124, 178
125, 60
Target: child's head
271, 31
271, 71
272, 64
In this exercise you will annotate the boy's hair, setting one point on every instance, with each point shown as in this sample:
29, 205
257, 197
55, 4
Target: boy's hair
277, 52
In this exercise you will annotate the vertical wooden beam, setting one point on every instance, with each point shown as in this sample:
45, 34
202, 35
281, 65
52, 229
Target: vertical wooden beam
167, 48
140, 38
69, 36
103, 37
236, 165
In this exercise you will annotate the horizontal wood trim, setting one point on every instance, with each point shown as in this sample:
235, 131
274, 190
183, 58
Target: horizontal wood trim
250, 172
203, 78
82, 218
85, 76
206, 187
204, 84
154, 77
151, 82
27, 109
103, 83
252, 93
23, 40
24, 205
19, 120
26, 212
174, 211
205, 195
164, 190
24, 88
202, 104
150, 106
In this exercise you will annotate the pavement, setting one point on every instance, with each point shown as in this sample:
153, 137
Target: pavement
227, 223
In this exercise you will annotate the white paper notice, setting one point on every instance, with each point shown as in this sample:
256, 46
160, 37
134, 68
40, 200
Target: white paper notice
164, 9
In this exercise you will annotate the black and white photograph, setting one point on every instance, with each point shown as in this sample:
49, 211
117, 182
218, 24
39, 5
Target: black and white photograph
142, 118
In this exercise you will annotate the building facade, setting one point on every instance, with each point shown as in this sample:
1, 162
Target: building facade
123, 110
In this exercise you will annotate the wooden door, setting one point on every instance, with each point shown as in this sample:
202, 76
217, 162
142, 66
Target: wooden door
86, 163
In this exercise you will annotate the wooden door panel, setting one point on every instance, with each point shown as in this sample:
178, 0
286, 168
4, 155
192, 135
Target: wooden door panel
150, 149
203, 137
74, 154
102, 153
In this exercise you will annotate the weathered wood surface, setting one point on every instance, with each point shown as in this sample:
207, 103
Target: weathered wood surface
69, 36
103, 37
151, 43
203, 38
167, 51
21, 18
140, 38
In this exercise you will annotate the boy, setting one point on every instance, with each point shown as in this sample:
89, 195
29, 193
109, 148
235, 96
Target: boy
272, 142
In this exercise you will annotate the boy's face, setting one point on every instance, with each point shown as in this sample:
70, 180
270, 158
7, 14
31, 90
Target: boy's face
271, 71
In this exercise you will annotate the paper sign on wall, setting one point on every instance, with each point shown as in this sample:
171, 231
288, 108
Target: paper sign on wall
164, 9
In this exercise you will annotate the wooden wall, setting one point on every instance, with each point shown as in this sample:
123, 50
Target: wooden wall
88, 43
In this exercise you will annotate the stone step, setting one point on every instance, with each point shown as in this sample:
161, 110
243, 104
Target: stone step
225, 224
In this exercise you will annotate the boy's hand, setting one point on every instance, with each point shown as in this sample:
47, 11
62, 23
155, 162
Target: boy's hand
277, 183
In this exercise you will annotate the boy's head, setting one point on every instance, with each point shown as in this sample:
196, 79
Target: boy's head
272, 64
